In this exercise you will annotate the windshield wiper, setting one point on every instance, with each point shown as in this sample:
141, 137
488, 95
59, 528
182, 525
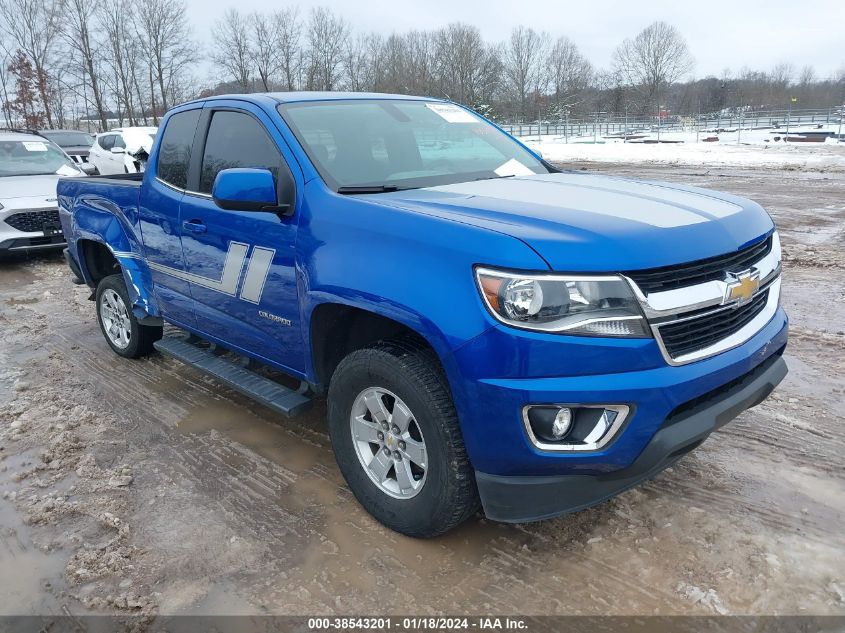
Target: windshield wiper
496, 177
367, 189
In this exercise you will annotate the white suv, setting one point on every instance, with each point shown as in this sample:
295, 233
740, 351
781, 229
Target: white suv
30, 167
123, 150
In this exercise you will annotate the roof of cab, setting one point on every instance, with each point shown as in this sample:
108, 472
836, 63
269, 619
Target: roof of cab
295, 97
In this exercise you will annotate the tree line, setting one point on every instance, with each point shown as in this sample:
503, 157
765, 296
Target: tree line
63, 60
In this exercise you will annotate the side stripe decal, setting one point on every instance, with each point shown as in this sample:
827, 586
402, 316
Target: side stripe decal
256, 274
228, 282
257, 269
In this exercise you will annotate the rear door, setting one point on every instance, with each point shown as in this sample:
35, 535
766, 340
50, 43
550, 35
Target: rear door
161, 197
243, 278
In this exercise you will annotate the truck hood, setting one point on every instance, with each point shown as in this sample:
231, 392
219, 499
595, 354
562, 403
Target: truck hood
12, 187
594, 223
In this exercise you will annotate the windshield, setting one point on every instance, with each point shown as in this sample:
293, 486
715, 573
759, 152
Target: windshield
399, 144
34, 158
70, 139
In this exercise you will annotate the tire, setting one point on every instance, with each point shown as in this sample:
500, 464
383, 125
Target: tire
114, 315
404, 375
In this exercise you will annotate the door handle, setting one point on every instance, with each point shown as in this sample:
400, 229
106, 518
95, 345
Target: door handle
194, 226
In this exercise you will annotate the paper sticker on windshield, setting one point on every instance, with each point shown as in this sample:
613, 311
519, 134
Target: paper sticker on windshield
451, 113
512, 168
35, 146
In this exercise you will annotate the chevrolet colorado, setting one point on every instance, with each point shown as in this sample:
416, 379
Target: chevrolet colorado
489, 331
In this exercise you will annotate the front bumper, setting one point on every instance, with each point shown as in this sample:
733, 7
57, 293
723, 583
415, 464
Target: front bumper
497, 374
517, 499
15, 240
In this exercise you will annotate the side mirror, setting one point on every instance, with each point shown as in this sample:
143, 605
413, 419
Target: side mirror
242, 189
118, 150
88, 168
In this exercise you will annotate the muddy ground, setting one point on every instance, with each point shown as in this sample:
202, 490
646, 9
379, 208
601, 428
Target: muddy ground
143, 487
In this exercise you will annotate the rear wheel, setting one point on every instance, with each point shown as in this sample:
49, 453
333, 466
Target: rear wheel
397, 441
121, 329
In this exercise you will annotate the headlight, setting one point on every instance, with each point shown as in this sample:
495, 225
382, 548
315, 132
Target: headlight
568, 304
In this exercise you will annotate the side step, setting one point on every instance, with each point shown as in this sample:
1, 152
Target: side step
269, 393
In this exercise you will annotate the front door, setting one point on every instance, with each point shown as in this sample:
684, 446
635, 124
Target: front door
241, 263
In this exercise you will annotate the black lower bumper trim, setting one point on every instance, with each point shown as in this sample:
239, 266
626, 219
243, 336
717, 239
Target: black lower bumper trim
21, 244
520, 499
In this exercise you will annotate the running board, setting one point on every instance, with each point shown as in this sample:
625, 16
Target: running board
271, 394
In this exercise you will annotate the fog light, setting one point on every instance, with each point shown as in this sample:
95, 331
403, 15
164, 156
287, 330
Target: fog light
550, 423
562, 423
565, 427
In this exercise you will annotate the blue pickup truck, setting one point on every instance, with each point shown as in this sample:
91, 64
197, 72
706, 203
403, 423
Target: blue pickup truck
488, 330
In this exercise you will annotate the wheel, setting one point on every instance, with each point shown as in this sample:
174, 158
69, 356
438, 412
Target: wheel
121, 329
395, 435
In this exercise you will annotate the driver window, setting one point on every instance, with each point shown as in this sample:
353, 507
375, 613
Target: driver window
236, 139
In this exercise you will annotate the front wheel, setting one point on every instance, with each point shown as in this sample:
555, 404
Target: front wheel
396, 438
120, 327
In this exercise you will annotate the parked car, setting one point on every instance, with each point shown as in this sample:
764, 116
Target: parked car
487, 329
75, 144
123, 150
30, 167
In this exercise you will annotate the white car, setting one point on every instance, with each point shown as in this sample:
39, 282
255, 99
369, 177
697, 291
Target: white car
30, 167
123, 150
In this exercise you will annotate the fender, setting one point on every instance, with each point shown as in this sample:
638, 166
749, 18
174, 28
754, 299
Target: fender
97, 219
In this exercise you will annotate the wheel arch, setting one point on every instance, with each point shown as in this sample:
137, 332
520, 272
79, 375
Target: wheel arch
336, 329
98, 260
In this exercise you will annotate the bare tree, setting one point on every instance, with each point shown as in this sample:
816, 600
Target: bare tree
264, 50
76, 29
523, 61
232, 51
6, 87
327, 34
33, 25
569, 73
394, 64
807, 76
465, 69
356, 62
162, 26
288, 26
653, 60
419, 47
120, 54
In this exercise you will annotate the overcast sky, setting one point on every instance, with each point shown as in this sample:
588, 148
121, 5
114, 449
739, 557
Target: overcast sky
720, 33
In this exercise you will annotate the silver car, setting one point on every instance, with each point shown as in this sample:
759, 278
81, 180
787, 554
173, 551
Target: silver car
30, 166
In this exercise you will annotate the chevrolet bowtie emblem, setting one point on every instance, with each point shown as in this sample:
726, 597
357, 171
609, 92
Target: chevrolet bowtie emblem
741, 286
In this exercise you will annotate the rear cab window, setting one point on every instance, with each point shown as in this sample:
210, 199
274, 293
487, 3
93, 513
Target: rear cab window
174, 154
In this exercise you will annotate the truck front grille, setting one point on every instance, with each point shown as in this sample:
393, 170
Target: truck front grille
690, 333
699, 271
32, 220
